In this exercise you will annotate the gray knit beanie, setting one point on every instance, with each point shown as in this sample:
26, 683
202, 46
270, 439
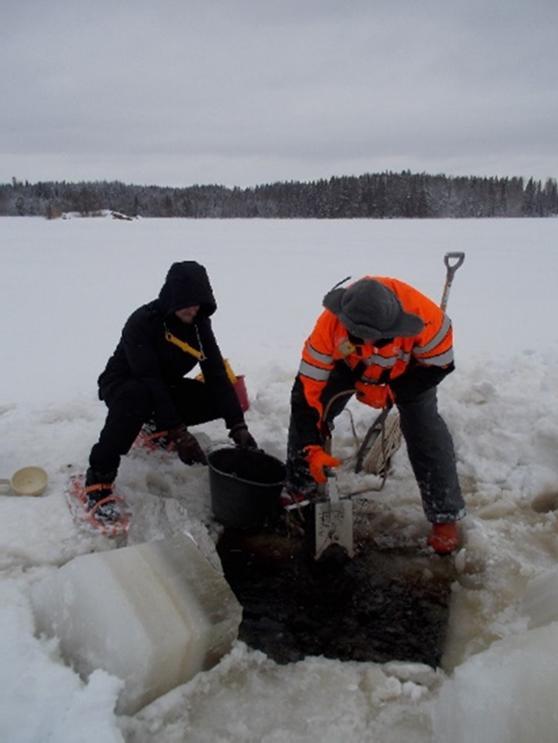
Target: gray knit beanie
370, 311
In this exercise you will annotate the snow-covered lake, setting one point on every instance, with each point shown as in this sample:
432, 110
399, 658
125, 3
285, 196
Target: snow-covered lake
67, 288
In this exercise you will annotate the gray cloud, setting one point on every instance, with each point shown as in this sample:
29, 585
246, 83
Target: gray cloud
246, 91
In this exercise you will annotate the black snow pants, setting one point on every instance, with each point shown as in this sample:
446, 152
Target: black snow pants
130, 406
429, 446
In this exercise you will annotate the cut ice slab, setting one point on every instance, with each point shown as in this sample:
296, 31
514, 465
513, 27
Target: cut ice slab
153, 615
505, 694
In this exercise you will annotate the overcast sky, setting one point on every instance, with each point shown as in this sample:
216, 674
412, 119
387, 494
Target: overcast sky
240, 92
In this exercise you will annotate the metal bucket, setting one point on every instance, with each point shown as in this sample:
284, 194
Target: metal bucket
245, 485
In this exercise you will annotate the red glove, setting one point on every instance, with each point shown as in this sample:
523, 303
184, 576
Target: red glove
375, 395
317, 460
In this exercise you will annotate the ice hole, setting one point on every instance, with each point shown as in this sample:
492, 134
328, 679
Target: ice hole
382, 605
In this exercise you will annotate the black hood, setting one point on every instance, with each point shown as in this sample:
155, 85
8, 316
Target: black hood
186, 285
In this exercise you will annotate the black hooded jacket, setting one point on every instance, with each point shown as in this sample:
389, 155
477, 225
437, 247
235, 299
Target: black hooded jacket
144, 353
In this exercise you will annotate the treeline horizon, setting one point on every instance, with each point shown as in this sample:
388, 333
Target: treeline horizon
384, 195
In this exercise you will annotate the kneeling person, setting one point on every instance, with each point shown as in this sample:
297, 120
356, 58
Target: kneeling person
144, 381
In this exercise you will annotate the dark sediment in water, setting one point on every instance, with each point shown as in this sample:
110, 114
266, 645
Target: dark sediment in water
381, 605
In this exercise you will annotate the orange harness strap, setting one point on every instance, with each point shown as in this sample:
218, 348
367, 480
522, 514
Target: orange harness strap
97, 486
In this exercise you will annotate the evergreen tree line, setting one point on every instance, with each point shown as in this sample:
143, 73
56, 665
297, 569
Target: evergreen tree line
379, 195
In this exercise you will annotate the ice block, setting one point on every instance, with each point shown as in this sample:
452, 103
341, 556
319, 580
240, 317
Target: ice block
153, 614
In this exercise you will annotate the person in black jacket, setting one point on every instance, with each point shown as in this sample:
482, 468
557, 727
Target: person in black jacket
144, 381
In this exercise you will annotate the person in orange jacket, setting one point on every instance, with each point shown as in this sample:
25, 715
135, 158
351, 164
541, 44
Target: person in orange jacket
391, 344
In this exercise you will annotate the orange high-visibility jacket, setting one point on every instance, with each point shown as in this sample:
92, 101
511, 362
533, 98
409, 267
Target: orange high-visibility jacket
329, 343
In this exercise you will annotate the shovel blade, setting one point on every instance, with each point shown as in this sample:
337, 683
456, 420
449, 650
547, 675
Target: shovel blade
334, 525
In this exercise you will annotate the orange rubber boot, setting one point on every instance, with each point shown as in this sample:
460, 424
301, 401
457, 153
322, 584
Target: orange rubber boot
444, 538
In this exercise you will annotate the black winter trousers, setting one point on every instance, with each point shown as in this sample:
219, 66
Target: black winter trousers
130, 406
429, 446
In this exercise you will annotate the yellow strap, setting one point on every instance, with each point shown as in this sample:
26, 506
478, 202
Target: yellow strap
186, 347
230, 374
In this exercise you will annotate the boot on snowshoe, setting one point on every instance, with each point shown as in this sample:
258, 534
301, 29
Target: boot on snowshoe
154, 440
101, 502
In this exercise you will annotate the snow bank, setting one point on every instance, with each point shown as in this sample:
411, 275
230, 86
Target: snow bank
42, 698
507, 694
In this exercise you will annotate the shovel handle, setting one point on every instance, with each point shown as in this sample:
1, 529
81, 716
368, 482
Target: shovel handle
458, 257
451, 268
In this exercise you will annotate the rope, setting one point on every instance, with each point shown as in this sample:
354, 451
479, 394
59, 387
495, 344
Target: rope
327, 433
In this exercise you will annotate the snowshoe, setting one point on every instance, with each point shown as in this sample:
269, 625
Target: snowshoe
152, 440
108, 515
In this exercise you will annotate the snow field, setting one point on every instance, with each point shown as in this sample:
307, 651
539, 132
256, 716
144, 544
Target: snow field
67, 287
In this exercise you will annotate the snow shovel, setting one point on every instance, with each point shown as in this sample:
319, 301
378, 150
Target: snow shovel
383, 438
333, 517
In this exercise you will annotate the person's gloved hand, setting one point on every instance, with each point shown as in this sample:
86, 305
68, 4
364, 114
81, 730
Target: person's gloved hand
375, 395
242, 436
187, 446
318, 460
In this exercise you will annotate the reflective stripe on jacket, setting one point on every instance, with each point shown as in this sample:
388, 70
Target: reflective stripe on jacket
329, 343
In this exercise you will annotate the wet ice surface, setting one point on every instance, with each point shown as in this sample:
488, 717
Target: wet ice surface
382, 605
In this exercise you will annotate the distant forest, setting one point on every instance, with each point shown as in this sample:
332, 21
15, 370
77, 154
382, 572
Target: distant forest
378, 195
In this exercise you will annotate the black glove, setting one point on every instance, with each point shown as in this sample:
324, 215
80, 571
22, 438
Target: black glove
242, 436
187, 446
